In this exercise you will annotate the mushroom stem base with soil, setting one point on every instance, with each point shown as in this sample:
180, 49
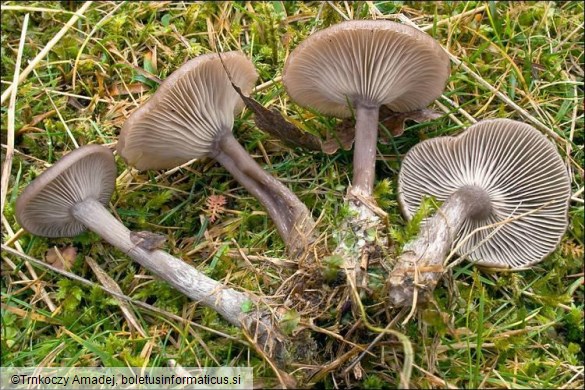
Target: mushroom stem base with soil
420, 266
228, 302
357, 239
292, 218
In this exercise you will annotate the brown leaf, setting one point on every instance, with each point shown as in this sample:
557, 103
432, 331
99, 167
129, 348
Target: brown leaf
272, 122
344, 136
61, 258
41, 117
75, 103
394, 121
147, 240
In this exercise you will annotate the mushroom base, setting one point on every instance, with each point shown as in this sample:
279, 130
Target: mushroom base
420, 266
358, 241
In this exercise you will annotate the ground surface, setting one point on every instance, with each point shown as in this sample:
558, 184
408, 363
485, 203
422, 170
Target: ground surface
507, 330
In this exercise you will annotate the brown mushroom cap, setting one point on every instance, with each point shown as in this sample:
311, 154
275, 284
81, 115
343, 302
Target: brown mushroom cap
44, 207
189, 110
371, 62
521, 174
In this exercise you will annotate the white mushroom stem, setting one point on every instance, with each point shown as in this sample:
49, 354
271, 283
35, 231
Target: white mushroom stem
420, 266
291, 217
228, 302
364, 155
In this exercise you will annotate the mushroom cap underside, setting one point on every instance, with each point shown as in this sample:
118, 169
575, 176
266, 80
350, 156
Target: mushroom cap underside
44, 207
190, 109
371, 62
521, 172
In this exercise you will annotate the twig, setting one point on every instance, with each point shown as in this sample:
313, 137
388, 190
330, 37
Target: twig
340, 12
11, 117
435, 378
375, 341
32, 64
453, 104
267, 84
455, 17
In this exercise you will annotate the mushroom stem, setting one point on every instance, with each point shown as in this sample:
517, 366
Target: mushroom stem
420, 266
355, 243
226, 301
291, 217
364, 155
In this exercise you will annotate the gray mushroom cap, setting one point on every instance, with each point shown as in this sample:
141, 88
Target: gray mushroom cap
371, 62
44, 207
522, 175
194, 105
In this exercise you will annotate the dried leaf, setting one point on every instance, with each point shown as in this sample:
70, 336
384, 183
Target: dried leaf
344, 136
272, 121
41, 117
215, 206
394, 121
75, 103
150, 61
147, 240
63, 259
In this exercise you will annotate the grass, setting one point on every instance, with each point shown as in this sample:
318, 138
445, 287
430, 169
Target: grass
506, 330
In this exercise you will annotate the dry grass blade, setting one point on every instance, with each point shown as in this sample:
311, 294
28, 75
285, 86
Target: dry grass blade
30, 314
7, 167
4, 7
32, 64
91, 33
44, 295
111, 285
406, 372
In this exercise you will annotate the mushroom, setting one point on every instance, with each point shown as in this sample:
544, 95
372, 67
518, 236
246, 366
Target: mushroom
70, 196
505, 194
360, 65
190, 116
